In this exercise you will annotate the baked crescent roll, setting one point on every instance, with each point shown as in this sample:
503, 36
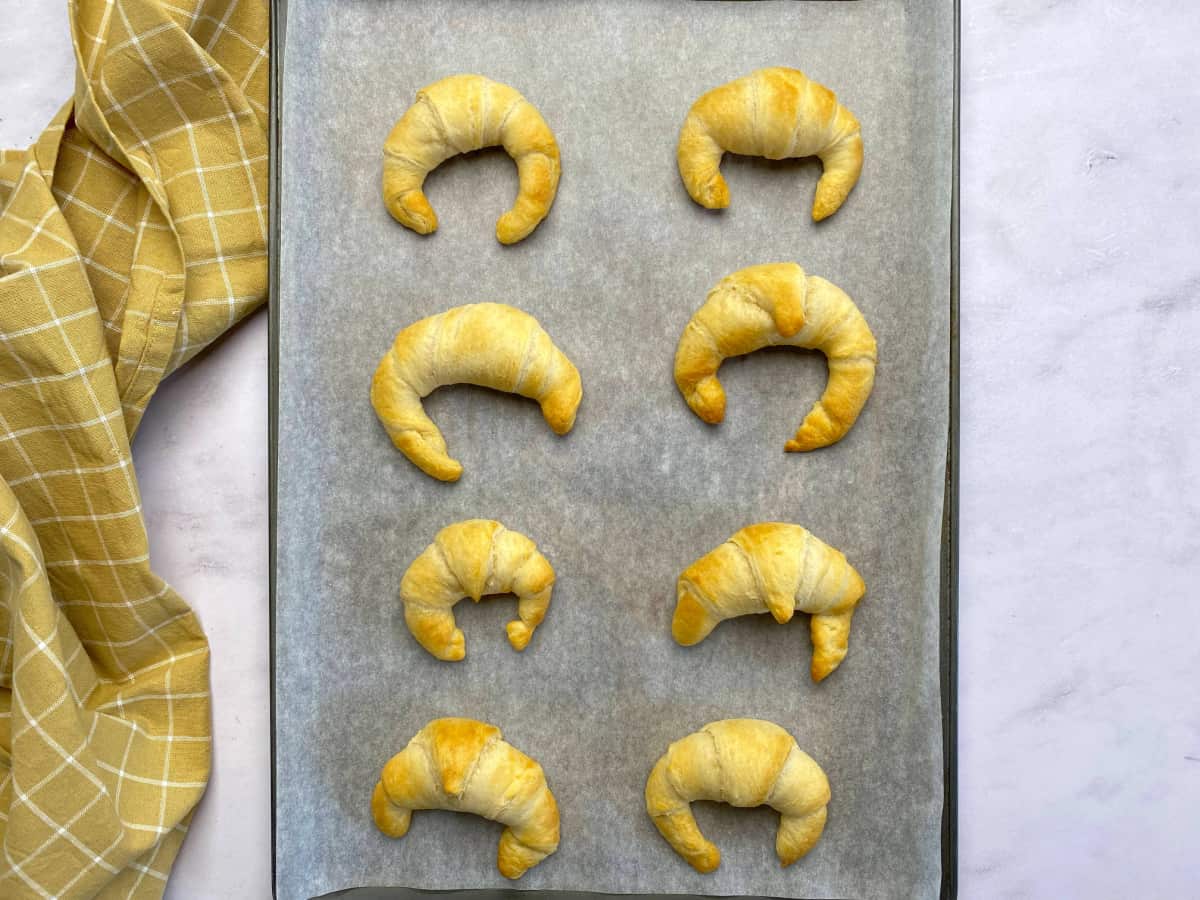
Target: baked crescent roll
776, 305
475, 558
742, 762
457, 115
777, 113
488, 344
777, 568
465, 766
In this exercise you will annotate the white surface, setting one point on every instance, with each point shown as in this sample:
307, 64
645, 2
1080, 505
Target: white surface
1079, 720
1079, 688
201, 460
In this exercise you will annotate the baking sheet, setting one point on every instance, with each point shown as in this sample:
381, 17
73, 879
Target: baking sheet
641, 487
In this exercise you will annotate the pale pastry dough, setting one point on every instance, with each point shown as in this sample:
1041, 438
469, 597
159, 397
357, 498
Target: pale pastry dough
465, 766
475, 558
489, 344
773, 305
457, 115
778, 113
742, 762
778, 568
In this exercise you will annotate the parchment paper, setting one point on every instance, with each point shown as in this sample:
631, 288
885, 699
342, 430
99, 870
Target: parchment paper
641, 487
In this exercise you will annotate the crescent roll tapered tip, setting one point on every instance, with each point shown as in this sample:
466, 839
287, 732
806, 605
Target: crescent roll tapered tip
511, 230
412, 210
488, 344
561, 404
827, 203
707, 400
428, 454
843, 164
798, 835
457, 115
831, 633
777, 113
518, 635
692, 622
712, 193
391, 821
807, 440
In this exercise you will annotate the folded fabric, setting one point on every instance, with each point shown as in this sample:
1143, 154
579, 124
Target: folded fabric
132, 234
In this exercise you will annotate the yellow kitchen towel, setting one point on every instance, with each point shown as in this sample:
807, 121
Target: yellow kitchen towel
132, 234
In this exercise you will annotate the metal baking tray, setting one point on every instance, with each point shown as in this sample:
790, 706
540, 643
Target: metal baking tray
330, 789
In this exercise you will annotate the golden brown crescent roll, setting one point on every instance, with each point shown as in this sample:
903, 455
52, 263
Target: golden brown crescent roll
777, 568
457, 115
777, 113
489, 344
474, 559
742, 762
774, 305
464, 765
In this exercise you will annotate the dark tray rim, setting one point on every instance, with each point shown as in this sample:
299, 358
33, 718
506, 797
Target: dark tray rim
949, 561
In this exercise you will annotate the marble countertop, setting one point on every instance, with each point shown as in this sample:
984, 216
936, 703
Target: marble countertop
1079, 667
